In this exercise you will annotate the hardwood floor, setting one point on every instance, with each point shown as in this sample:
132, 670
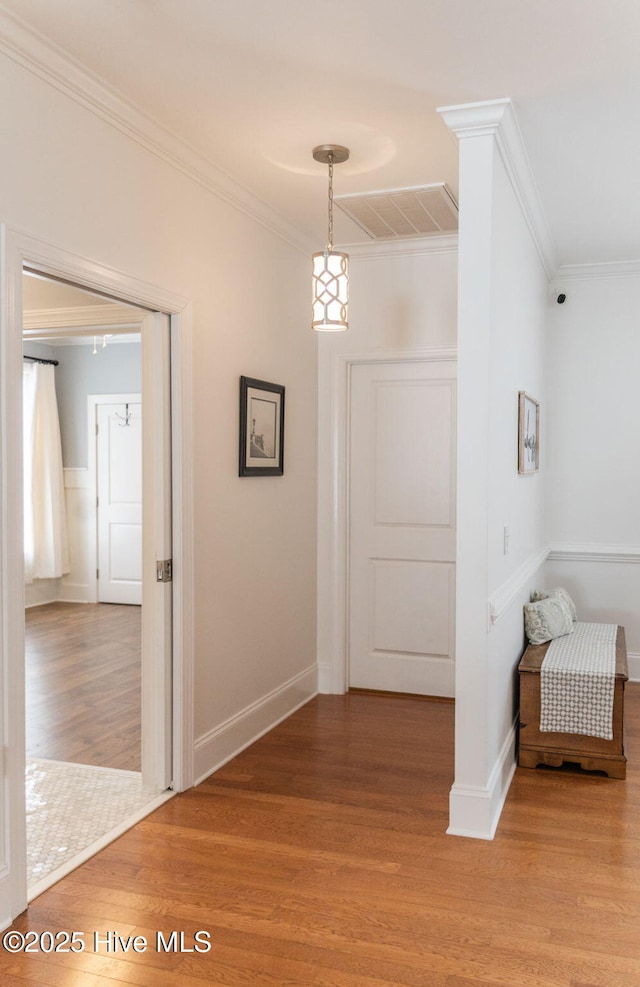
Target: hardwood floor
83, 683
319, 857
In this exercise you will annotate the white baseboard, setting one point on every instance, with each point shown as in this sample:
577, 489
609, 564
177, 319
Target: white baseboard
40, 592
475, 810
73, 593
633, 662
219, 745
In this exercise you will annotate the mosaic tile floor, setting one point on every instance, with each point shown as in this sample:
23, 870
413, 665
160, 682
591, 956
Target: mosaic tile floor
71, 806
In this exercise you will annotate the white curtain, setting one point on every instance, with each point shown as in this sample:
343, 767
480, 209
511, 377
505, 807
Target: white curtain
46, 547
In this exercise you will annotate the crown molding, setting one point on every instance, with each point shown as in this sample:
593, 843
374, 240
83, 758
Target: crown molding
72, 337
40, 56
591, 272
97, 317
411, 247
496, 118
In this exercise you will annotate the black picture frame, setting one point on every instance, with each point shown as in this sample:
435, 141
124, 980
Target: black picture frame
261, 428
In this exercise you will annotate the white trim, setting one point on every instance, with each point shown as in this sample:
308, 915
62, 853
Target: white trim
41, 592
591, 272
98, 317
20, 250
633, 661
333, 464
49, 259
512, 589
75, 477
215, 748
409, 247
40, 56
434, 354
594, 552
81, 531
475, 811
13, 887
497, 118
183, 546
73, 593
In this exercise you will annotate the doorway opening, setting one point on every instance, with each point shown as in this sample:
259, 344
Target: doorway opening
95, 693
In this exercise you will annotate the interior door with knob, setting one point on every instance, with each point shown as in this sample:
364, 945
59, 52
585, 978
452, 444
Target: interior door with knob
119, 498
402, 527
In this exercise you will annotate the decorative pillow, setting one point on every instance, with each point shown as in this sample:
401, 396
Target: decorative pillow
547, 619
558, 593
538, 594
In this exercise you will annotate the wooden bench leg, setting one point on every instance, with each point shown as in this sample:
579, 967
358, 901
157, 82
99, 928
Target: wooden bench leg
614, 767
528, 759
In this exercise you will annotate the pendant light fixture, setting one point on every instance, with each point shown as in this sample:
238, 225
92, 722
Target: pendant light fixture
330, 267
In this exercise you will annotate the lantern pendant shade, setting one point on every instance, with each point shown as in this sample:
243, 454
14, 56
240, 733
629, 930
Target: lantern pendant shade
330, 291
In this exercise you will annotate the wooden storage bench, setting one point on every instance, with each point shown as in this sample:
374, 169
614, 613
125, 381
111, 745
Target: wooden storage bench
592, 753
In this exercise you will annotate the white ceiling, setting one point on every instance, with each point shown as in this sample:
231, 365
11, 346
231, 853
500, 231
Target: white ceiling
255, 85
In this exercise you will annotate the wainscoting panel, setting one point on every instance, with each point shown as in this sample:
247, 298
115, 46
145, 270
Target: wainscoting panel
74, 587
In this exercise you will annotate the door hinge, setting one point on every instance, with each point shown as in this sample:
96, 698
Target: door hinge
164, 571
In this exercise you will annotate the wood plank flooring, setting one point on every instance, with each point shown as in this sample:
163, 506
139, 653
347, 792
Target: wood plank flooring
83, 683
319, 857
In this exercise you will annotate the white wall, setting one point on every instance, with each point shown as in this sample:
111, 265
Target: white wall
594, 467
517, 363
115, 369
74, 180
403, 302
501, 330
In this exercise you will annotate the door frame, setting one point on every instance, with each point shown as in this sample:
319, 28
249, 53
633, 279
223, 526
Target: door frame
18, 251
334, 421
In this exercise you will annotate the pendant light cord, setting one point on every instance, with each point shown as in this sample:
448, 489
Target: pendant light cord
330, 237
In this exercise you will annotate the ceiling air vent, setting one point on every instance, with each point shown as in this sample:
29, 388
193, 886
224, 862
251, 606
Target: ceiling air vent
400, 213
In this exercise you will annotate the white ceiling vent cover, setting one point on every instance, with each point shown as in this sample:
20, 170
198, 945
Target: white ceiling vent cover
400, 213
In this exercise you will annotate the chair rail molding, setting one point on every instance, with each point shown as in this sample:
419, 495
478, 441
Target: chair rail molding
594, 552
512, 589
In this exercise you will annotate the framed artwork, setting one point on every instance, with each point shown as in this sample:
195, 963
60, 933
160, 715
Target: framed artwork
261, 428
528, 433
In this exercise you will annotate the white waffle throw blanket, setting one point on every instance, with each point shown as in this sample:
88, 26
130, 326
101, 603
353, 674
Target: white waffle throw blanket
577, 681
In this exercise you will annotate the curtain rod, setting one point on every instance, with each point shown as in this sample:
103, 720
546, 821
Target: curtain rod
39, 359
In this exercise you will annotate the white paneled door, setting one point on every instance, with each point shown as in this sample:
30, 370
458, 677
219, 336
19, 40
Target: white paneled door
119, 489
402, 527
